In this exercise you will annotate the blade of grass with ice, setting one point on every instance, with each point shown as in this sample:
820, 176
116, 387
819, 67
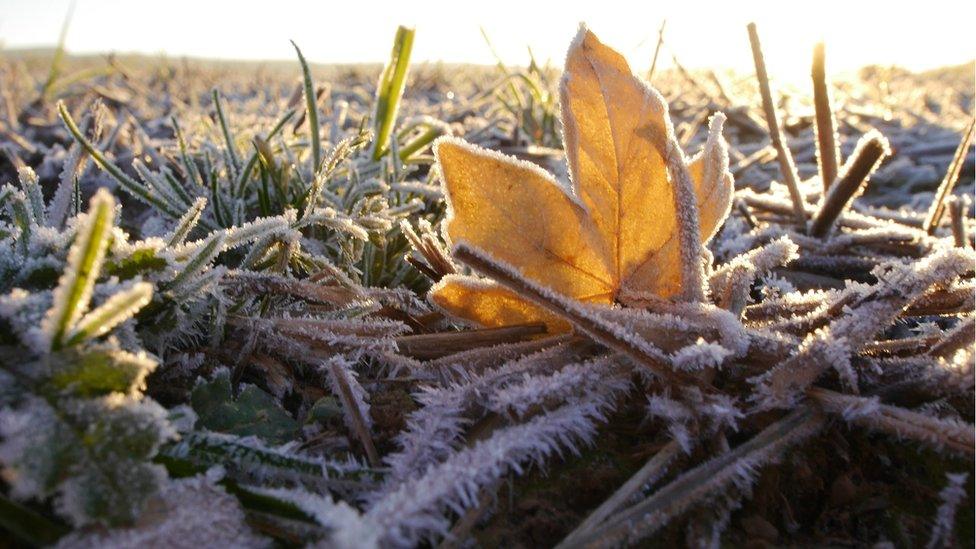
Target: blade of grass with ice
113, 312
131, 185
225, 129
85, 259
312, 110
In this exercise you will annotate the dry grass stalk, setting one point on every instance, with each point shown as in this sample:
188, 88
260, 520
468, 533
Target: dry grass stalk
870, 150
431, 346
351, 408
642, 519
657, 48
940, 433
653, 470
899, 346
958, 338
786, 164
950, 301
456, 538
958, 219
608, 333
949, 181
828, 153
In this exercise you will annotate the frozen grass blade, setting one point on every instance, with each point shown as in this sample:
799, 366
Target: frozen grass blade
652, 471
119, 308
235, 161
32, 189
312, 111
198, 262
390, 89
731, 468
253, 160
131, 185
936, 432
187, 222
949, 181
192, 172
85, 259
351, 405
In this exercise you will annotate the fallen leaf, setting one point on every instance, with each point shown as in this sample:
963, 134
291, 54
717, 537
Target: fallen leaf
613, 233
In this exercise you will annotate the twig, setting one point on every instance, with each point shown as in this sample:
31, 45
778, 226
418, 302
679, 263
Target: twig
746, 214
602, 330
958, 220
786, 165
657, 49
349, 402
871, 149
828, 153
949, 181
940, 433
429, 346
690, 488
653, 470
957, 338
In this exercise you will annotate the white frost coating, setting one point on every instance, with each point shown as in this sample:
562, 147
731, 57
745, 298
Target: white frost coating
598, 380
188, 513
945, 518
692, 416
346, 526
743, 269
416, 508
861, 407
259, 228
103, 204
700, 356
676, 415
433, 431
24, 311
344, 367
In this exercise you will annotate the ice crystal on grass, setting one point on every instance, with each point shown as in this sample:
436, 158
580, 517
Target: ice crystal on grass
414, 509
951, 496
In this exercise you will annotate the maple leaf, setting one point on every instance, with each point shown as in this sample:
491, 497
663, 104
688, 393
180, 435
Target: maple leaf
613, 235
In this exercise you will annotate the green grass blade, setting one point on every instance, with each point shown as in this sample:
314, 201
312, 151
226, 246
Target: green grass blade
390, 89
188, 222
196, 264
435, 129
191, 168
225, 129
85, 258
32, 188
312, 108
116, 310
21, 214
252, 161
131, 185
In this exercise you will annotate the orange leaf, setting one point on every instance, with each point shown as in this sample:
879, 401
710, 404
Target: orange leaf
615, 229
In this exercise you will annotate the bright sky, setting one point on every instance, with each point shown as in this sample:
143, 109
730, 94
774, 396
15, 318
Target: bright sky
703, 33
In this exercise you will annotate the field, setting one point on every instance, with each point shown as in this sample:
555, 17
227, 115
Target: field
264, 330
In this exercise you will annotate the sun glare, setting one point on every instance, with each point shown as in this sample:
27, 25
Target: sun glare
701, 34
